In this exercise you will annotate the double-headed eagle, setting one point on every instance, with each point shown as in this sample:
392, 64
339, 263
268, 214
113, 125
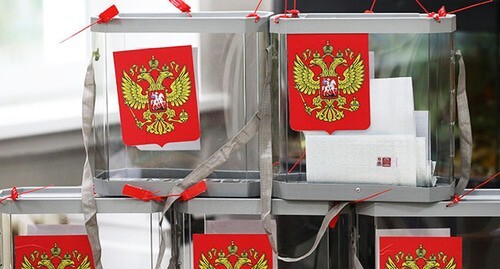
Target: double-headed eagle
233, 259
327, 86
56, 260
421, 261
159, 116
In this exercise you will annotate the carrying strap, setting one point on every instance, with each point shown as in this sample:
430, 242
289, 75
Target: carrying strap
265, 151
89, 206
354, 262
334, 211
204, 170
465, 127
266, 173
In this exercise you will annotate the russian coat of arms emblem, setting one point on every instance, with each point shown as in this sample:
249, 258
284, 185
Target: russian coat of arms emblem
68, 251
328, 82
157, 95
232, 251
420, 252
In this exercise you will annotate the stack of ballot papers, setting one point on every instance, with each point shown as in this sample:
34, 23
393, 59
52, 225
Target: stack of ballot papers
394, 150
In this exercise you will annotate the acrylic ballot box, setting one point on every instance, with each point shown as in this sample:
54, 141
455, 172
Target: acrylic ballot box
472, 225
232, 227
227, 75
363, 103
45, 229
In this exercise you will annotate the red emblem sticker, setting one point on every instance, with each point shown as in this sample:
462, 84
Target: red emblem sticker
421, 252
157, 95
328, 78
221, 251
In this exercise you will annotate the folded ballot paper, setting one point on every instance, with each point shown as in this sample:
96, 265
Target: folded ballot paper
377, 159
388, 152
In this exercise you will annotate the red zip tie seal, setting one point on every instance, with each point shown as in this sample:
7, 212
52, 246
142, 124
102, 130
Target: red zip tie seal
182, 6
104, 17
371, 7
297, 162
108, 14
442, 12
470, 6
139, 193
288, 13
277, 18
193, 191
294, 13
14, 193
334, 221
254, 14
456, 198
147, 195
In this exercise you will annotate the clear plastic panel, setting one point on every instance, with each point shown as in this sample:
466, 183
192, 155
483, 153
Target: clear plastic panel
295, 235
425, 58
229, 76
134, 236
480, 241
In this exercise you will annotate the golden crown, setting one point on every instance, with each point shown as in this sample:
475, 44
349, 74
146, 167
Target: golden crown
153, 63
421, 252
55, 250
232, 248
328, 49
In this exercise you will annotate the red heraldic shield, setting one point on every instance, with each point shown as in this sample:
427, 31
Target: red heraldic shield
221, 251
328, 80
420, 252
53, 251
157, 95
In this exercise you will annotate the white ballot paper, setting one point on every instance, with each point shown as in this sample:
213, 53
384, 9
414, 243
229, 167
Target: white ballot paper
422, 128
385, 153
425, 173
369, 159
391, 108
423, 164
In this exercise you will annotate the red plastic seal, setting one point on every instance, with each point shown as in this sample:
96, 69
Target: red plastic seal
14, 194
293, 12
179, 4
442, 12
334, 221
194, 191
434, 15
254, 15
139, 193
104, 17
108, 14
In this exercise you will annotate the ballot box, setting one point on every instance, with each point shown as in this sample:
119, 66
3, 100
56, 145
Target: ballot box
417, 235
171, 89
45, 228
363, 103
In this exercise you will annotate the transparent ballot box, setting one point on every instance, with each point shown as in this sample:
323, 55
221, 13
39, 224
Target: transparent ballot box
363, 103
46, 229
464, 235
171, 90
227, 233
